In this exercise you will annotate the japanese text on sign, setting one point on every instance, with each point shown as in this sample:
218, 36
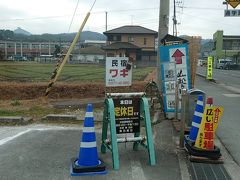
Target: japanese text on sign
209, 68
116, 72
210, 120
127, 115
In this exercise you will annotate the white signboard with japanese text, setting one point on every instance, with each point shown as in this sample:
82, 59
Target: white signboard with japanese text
116, 72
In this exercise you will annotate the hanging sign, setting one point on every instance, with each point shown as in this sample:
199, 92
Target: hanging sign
233, 3
231, 12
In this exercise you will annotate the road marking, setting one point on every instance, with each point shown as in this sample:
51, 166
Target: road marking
5, 140
235, 75
44, 128
232, 95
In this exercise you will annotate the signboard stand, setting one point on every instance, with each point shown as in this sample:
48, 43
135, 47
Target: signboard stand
128, 122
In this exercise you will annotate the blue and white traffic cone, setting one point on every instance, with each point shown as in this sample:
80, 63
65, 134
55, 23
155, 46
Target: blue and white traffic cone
197, 118
87, 162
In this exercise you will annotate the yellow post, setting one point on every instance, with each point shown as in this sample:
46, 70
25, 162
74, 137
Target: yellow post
209, 68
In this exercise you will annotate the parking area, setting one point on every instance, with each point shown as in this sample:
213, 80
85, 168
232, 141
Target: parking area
43, 152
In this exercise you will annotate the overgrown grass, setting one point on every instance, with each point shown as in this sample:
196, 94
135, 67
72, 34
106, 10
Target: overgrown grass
36, 72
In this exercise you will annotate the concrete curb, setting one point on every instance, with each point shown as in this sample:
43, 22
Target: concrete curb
230, 164
15, 120
229, 88
203, 76
66, 118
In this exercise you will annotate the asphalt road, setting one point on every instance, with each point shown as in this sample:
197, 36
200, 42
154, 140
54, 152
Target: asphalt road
41, 152
225, 77
228, 129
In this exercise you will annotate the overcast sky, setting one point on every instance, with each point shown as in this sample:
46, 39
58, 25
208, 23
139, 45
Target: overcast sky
195, 18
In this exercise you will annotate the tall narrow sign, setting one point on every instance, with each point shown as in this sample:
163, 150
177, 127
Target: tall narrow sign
209, 68
209, 124
175, 69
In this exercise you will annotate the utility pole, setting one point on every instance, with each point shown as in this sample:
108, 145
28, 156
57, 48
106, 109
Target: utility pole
106, 19
174, 19
162, 31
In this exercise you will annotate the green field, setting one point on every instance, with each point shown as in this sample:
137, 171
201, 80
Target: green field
36, 72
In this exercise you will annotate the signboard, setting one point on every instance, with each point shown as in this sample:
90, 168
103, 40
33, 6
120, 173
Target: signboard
232, 12
127, 115
233, 3
210, 121
175, 68
116, 72
209, 68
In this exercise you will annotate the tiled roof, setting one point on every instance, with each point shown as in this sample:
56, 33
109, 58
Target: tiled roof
131, 30
120, 45
169, 38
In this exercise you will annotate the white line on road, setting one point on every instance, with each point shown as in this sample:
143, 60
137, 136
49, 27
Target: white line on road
41, 128
232, 95
5, 140
235, 75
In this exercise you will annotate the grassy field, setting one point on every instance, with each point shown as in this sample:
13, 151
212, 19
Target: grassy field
36, 72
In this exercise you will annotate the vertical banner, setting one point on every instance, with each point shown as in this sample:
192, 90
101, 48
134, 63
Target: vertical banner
175, 68
116, 72
127, 115
209, 124
209, 68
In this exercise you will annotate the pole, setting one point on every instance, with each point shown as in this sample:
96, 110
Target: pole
162, 31
75, 40
106, 19
183, 117
174, 17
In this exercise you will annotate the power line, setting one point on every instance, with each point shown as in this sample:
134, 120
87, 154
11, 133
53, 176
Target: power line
109, 11
62, 16
73, 16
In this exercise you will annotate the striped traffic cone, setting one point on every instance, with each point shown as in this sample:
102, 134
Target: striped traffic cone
88, 163
197, 118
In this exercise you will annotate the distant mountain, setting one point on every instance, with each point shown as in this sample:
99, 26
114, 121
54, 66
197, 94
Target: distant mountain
22, 35
21, 31
204, 41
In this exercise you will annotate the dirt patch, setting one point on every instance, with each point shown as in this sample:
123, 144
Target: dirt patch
79, 90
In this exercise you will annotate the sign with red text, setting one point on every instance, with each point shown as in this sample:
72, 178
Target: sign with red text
116, 72
209, 123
